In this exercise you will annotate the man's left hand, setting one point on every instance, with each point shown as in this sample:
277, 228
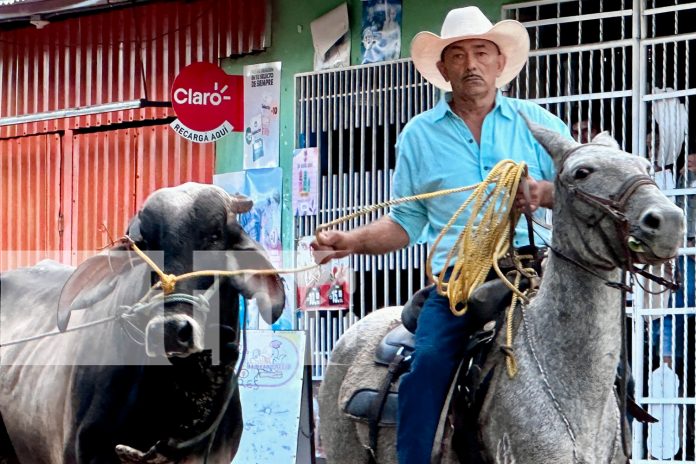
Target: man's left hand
540, 194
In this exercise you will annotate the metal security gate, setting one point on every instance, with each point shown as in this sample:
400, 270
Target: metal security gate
615, 65
623, 66
354, 116
30, 199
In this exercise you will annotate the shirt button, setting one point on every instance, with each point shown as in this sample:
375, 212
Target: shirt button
471, 140
486, 168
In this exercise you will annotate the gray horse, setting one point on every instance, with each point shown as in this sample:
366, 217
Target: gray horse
561, 406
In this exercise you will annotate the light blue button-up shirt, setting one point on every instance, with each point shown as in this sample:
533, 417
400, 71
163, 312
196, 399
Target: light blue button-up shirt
436, 150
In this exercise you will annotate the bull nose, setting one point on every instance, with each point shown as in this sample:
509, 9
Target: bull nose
170, 336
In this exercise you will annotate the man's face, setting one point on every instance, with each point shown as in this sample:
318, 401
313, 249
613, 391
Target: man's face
471, 66
583, 132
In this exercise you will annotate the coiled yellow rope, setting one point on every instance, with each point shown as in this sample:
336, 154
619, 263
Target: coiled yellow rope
485, 239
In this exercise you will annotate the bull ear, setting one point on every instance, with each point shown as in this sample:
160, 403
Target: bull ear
245, 253
92, 281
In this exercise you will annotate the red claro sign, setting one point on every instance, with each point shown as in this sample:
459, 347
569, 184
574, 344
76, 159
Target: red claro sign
208, 103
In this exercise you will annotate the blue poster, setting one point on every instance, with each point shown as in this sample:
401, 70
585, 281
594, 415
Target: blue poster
381, 30
262, 223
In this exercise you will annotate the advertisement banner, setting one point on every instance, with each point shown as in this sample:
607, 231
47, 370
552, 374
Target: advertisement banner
207, 102
305, 176
325, 287
270, 389
261, 115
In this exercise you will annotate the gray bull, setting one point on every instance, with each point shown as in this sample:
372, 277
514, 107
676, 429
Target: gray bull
143, 388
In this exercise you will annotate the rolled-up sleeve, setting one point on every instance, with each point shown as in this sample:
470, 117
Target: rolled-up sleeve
412, 216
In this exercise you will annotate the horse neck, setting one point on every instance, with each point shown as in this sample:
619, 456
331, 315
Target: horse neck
576, 323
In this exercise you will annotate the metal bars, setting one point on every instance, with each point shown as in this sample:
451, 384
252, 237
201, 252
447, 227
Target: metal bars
623, 66
354, 116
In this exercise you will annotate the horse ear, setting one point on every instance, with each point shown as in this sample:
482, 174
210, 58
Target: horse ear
555, 144
605, 138
92, 281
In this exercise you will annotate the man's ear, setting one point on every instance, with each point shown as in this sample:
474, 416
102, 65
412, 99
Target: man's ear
502, 59
441, 67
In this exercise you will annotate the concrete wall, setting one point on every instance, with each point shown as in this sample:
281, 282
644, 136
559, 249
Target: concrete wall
292, 45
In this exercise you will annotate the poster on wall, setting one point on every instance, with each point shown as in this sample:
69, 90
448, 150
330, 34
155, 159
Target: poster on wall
381, 30
331, 39
270, 389
261, 115
324, 287
262, 223
305, 175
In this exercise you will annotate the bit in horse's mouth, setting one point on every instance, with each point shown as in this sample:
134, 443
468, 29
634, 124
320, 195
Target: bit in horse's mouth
643, 253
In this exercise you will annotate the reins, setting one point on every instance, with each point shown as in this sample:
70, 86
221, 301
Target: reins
614, 207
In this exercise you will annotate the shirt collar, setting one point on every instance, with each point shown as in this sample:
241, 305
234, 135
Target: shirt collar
502, 105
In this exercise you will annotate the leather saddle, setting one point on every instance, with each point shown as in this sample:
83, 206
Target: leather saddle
485, 305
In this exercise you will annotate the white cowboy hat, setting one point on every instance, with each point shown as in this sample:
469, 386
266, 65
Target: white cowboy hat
509, 35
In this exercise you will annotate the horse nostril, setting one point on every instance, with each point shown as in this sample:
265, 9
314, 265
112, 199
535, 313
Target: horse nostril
652, 220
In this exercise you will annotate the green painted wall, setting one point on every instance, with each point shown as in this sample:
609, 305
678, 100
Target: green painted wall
291, 41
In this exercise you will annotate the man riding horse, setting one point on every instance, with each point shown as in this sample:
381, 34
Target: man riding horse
454, 144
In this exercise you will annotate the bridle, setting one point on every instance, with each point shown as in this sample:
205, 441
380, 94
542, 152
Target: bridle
614, 206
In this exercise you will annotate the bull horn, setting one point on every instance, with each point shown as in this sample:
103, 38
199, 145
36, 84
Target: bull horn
240, 203
555, 144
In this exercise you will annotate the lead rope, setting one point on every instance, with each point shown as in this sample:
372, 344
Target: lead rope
549, 391
501, 175
479, 246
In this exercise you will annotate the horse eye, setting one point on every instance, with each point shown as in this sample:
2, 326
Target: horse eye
582, 173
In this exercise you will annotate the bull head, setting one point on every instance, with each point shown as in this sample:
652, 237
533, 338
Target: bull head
181, 221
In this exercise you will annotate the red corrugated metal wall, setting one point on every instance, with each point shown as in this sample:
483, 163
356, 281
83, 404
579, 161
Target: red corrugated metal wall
102, 58
30, 199
114, 171
114, 56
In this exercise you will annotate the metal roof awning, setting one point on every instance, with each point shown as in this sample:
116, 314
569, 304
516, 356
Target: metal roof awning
18, 9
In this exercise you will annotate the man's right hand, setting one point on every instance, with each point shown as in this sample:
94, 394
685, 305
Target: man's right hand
332, 244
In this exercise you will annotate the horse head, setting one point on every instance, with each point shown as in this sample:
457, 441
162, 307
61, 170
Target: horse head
606, 200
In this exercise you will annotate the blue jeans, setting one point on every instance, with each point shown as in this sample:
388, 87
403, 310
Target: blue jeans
440, 340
